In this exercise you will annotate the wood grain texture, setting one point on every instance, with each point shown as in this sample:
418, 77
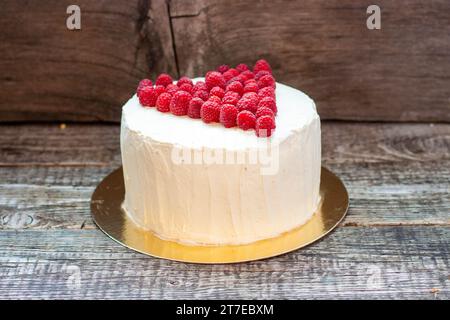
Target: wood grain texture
398, 73
393, 244
51, 73
357, 262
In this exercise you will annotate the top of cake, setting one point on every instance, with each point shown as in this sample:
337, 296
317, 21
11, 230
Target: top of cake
295, 110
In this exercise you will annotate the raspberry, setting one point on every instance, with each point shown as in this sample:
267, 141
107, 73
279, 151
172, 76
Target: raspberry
180, 103
268, 102
228, 115
172, 88
266, 81
194, 108
262, 65
202, 94
163, 102
164, 80
242, 67
252, 96
210, 112
262, 73
230, 97
235, 86
223, 68
217, 91
238, 78
147, 97
214, 79
230, 74
184, 80
247, 104
264, 111
265, 126
186, 87
247, 75
266, 92
246, 120
199, 85
215, 99
143, 83
251, 87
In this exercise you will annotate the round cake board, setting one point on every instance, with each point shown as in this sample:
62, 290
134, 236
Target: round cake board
106, 208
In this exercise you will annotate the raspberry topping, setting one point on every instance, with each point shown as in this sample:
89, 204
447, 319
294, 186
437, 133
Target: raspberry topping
228, 115
247, 104
186, 87
172, 88
214, 79
184, 80
210, 112
247, 75
164, 80
223, 68
251, 87
262, 65
264, 111
265, 126
163, 102
251, 96
235, 86
246, 120
266, 92
268, 102
202, 94
262, 73
180, 103
215, 99
143, 83
230, 97
230, 74
200, 85
146, 96
266, 81
242, 67
217, 91
194, 108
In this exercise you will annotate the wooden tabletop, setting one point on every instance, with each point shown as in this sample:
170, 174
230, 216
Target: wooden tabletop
394, 243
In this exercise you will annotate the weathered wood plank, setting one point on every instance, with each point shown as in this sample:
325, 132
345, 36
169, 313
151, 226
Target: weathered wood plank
398, 73
343, 142
51, 73
360, 263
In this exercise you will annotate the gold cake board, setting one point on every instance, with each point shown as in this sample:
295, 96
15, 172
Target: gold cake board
107, 213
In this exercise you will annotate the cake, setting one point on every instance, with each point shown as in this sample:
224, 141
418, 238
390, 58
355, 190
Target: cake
203, 182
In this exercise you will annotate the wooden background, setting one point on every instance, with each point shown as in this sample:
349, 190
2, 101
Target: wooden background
398, 73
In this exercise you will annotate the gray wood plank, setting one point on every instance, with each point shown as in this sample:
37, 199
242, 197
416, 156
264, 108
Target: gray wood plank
398, 73
353, 262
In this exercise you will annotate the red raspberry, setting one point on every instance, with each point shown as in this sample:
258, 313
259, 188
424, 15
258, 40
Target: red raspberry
266, 92
262, 65
238, 78
252, 96
251, 87
217, 91
214, 79
163, 102
194, 108
262, 73
264, 111
186, 87
199, 85
184, 80
180, 103
266, 81
215, 99
223, 68
246, 120
235, 86
202, 94
247, 104
247, 75
164, 80
230, 97
268, 102
147, 97
210, 112
265, 126
228, 115
242, 67
172, 88
143, 83
230, 74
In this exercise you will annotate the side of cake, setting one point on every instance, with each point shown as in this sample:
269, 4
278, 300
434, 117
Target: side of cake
199, 182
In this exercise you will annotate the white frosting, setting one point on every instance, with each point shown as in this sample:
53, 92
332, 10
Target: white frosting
220, 203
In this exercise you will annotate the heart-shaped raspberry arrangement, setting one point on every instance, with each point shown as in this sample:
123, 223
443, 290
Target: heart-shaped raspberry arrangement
231, 96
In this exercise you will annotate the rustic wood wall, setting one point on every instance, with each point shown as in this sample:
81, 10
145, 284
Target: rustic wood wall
398, 73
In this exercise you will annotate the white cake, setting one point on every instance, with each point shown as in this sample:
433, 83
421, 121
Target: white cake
194, 201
